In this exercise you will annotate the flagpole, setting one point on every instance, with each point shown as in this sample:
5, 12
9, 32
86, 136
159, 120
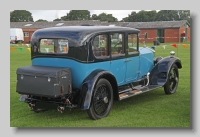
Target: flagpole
177, 50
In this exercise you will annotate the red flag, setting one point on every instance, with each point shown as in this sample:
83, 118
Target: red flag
174, 45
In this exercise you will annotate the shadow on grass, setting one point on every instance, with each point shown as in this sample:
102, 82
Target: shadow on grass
76, 114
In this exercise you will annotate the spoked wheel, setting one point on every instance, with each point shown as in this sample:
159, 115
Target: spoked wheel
102, 100
172, 81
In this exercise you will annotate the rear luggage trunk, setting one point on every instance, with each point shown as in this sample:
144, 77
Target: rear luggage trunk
44, 81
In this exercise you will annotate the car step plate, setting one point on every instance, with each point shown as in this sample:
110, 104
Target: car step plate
131, 93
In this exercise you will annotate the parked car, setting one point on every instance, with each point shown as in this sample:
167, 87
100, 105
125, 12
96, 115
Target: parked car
16, 35
90, 66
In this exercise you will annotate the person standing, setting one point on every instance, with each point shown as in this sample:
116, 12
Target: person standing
183, 36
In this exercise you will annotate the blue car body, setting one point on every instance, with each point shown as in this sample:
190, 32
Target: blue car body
124, 72
100, 63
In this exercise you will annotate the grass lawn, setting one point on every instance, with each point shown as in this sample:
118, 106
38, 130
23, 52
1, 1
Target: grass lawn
151, 109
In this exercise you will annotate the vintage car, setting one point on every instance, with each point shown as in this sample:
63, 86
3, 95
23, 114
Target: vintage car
90, 66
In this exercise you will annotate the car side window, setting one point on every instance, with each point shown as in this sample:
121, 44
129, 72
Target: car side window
132, 43
117, 44
100, 46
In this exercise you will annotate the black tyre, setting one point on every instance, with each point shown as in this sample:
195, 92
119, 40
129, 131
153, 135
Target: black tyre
172, 81
102, 100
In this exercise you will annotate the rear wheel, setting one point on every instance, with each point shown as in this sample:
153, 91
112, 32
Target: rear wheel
172, 81
102, 100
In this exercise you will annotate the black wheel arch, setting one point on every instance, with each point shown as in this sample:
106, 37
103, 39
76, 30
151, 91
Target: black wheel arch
159, 74
89, 84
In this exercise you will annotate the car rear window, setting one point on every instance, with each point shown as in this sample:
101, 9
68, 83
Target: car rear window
58, 46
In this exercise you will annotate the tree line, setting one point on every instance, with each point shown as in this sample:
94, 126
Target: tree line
141, 16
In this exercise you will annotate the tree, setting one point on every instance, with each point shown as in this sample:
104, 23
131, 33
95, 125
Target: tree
77, 15
124, 19
184, 15
131, 18
167, 15
173, 15
111, 18
21, 16
142, 16
94, 17
65, 18
162, 15
107, 17
41, 20
151, 15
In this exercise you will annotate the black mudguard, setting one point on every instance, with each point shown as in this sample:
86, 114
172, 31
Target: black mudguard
159, 74
89, 85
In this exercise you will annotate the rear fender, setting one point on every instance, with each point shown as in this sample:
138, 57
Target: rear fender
159, 74
89, 85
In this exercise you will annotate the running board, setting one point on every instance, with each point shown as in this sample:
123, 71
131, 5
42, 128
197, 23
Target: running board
133, 92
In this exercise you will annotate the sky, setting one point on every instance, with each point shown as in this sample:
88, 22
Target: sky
50, 15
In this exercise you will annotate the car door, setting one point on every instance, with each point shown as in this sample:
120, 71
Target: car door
118, 59
132, 58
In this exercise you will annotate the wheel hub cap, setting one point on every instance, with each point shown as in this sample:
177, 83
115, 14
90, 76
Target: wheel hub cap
105, 100
176, 79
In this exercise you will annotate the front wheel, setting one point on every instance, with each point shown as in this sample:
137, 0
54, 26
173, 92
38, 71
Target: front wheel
102, 100
172, 80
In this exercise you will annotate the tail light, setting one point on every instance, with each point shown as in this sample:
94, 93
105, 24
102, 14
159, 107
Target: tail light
15, 37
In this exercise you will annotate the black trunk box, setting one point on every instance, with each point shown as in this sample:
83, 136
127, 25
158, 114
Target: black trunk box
43, 81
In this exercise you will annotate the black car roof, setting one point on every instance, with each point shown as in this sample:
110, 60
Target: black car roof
89, 29
77, 34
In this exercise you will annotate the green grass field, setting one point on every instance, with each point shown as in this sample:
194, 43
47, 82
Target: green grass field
149, 110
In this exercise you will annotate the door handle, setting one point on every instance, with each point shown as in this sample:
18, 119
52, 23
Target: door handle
127, 60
